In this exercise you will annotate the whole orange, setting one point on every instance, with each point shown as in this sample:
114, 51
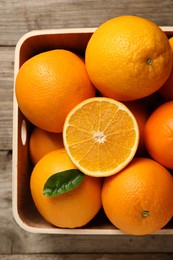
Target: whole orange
128, 57
42, 142
158, 134
49, 85
138, 200
72, 209
167, 89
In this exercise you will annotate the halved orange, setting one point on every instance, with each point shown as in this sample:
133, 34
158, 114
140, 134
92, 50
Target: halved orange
100, 136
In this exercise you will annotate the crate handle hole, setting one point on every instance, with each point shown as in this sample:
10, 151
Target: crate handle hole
23, 132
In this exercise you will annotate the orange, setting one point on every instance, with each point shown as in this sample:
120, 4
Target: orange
141, 114
128, 57
158, 134
49, 85
167, 89
138, 200
72, 209
100, 136
42, 142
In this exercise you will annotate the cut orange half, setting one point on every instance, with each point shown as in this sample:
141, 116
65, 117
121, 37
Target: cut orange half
100, 136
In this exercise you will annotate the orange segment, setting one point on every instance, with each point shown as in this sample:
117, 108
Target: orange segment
100, 136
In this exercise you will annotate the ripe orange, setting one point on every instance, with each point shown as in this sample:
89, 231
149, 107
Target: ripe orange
42, 142
72, 209
141, 114
49, 85
100, 136
167, 89
138, 200
158, 134
128, 57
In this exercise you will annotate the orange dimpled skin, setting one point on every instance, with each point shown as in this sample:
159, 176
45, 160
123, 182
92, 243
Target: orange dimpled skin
138, 200
42, 142
128, 57
158, 134
49, 85
72, 209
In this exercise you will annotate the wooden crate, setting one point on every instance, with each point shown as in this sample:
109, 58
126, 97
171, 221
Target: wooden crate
24, 210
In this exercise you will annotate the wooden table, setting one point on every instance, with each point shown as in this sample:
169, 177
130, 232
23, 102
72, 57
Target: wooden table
16, 18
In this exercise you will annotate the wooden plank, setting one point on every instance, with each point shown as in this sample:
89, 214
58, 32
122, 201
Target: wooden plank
18, 17
87, 257
6, 96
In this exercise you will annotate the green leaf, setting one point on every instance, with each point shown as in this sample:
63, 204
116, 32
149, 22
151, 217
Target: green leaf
62, 182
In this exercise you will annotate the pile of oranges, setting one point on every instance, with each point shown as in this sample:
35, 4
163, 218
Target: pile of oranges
103, 128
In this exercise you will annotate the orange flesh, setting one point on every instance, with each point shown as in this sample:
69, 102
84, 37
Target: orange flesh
101, 136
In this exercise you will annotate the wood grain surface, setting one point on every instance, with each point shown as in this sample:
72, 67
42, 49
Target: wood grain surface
17, 17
